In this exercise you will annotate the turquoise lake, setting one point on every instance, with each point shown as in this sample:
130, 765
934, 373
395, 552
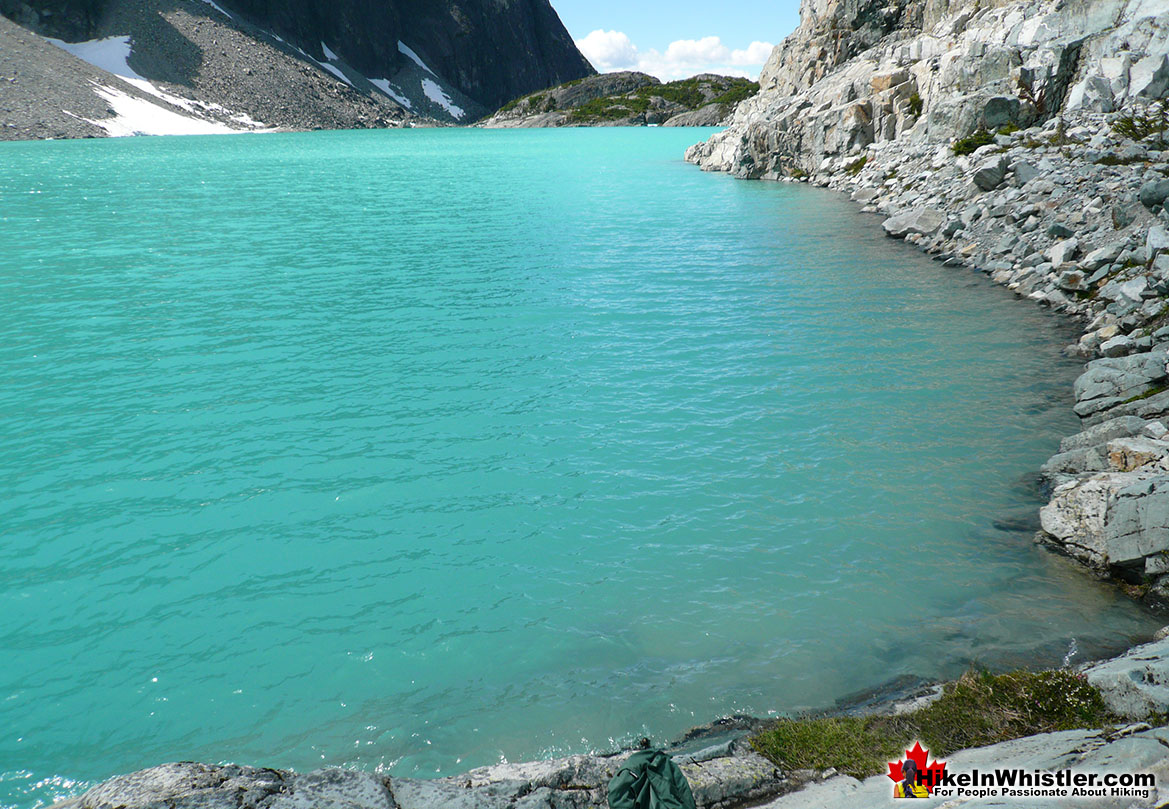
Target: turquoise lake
421, 450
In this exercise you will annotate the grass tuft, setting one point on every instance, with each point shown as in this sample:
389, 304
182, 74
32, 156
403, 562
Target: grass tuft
854, 168
978, 709
1149, 394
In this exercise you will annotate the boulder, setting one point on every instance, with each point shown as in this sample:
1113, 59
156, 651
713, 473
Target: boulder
990, 173
185, 785
1073, 281
1074, 462
1135, 289
1151, 407
1025, 172
1130, 454
923, 221
1156, 242
1102, 257
1063, 251
1138, 522
1113, 520
1118, 346
1112, 381
1154, 193
1101, 434
1134, 685
335, 788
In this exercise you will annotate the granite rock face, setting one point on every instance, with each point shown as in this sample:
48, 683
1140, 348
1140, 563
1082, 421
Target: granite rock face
856, 74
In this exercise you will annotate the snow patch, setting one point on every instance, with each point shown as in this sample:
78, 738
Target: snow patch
332, 57
439, 96
219, 8
138, 116
393, 92
110, 54
335, 72
403, 49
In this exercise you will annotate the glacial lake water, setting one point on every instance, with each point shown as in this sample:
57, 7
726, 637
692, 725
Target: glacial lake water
421, 450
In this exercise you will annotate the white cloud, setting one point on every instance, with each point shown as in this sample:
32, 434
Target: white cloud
614, 50
609, 50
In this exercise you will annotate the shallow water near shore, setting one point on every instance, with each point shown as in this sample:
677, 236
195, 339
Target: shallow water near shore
421, 450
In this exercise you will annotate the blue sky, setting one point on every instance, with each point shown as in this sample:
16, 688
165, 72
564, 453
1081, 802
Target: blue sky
681, 38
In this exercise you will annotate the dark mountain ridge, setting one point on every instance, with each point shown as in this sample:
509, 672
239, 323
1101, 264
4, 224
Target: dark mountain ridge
489, 50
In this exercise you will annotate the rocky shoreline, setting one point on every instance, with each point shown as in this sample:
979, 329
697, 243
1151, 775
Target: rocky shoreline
1069, 215
718, 760
1028, 140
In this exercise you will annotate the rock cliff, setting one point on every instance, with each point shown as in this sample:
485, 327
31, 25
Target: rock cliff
856, 74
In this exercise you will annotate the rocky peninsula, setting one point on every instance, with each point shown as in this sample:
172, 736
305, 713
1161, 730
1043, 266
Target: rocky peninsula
627, 99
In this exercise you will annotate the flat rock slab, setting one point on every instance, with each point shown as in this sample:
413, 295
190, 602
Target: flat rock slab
1136, 748
1135, 685
727, 775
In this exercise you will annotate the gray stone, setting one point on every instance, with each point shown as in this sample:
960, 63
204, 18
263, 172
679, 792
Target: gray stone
1102, 257
990, 173
1154, 193
186, 786
1058, 230
1119, 378
1156, 242
1136, 289
1111, 520
1073, 281
1155, 430
1138, 521
1131, 454
922, 221
1063, 251
1101, 434
333, 788
1025, 172
1123, 216
1075, 462
1116, 347
1135, 685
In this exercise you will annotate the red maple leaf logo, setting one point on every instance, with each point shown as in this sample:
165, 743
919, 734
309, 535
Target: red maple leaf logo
930, 775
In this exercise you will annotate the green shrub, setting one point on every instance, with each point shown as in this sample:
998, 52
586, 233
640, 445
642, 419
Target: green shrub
972, 143
915, 105
1143, 123
854, 168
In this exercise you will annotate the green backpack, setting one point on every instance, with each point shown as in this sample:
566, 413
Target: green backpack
650, 780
